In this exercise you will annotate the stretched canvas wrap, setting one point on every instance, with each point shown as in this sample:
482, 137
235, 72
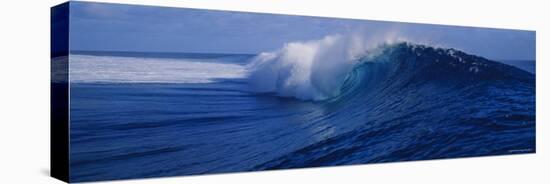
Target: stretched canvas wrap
146, 91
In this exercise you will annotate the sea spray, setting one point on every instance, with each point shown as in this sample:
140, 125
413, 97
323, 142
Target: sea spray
311, 70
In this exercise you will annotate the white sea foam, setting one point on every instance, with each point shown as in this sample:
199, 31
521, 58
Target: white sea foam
310, 70
116, 69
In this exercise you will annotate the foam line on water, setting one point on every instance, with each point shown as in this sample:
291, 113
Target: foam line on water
117, 69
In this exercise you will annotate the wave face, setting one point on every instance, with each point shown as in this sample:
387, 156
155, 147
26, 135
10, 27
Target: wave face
408, 66
414, 102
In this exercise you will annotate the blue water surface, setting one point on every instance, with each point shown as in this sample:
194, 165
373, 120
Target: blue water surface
401, 106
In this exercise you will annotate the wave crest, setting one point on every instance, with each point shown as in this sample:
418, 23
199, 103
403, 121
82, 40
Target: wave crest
311, 70
331, 67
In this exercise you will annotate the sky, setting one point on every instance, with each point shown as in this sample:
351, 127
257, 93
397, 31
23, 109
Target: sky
116, 27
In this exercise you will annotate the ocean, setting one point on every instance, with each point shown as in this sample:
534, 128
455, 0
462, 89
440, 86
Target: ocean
166, 114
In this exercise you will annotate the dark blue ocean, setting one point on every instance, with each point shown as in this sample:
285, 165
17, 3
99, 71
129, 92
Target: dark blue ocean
164, 114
